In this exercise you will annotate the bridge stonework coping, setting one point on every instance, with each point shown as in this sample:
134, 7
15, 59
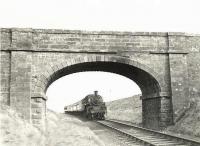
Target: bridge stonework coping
164, 65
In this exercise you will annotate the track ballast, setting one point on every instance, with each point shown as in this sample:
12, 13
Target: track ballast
146, 136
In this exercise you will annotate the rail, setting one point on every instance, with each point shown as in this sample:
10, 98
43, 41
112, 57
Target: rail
148, 136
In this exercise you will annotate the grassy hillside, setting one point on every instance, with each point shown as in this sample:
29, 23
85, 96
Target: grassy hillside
128, 109
17, 132
62, 130
66, 130
189, 124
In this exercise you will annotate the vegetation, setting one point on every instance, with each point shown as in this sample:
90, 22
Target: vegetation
17, 132
189, 124
66, 130
130, 109
61, 130
127, 109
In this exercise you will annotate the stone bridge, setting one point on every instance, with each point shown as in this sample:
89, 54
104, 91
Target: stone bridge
166, 67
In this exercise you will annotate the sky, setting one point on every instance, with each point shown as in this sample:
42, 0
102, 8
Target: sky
99, 15
74, 87
116, 15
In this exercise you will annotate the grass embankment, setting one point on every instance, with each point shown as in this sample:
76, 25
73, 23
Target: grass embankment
66, 130
189, 124
17, 132
62, 130
127, 109
130, 109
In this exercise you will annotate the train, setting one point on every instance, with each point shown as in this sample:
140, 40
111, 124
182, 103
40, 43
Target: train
92, 107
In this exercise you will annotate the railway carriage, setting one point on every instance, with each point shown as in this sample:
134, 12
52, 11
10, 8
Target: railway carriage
92, 106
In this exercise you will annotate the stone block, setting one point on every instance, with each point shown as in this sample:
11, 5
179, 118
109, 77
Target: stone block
36, 110
36, 116
39, 100
36, 105
36, 121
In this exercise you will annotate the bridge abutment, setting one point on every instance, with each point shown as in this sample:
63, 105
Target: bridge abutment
38, 112
166, 112
20, 82
157, 112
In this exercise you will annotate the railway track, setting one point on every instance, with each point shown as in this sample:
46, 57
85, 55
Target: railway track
141, 136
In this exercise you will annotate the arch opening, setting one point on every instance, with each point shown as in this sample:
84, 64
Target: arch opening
156, 107
77, 85
147, 83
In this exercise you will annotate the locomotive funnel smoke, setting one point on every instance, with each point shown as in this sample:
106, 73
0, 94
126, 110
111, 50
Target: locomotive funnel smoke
95, 93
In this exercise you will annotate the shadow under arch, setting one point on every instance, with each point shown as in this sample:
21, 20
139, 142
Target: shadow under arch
150, 83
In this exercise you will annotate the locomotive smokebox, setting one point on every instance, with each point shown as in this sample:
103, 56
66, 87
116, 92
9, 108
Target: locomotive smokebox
95, 93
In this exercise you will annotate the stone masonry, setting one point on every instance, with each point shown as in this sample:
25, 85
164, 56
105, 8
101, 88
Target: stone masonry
166, 67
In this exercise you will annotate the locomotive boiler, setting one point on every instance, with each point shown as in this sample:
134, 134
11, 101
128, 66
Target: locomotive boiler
92, 106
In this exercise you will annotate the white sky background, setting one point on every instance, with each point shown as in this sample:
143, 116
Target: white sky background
74, 87
97, 15
120, 15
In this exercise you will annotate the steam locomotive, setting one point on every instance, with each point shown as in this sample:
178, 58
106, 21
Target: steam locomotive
92, 106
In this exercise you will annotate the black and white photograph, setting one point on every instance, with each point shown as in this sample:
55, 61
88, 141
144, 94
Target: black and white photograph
99, 73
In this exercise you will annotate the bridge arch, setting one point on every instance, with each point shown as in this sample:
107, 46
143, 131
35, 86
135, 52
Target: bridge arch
58, 70
150, 82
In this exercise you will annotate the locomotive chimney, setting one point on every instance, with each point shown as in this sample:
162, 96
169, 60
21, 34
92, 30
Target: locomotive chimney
95, 93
